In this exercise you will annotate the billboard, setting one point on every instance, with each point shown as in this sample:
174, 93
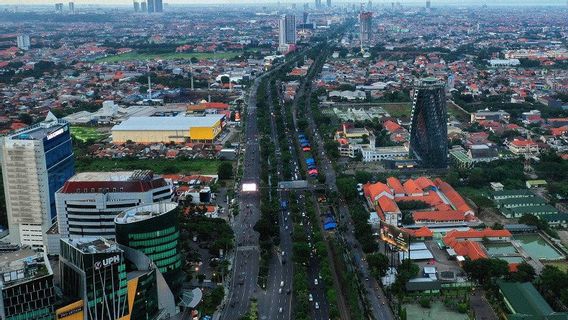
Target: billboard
394, 236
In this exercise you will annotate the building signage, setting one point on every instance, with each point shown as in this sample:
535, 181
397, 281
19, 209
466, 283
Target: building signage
107, 262
55, 133
394, 236
69, 312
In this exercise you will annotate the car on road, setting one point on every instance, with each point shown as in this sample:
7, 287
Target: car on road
310, 297
280, 290
280, 310
316, 282
317, 305
281, 284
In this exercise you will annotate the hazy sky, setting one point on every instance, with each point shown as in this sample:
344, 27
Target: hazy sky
376, 2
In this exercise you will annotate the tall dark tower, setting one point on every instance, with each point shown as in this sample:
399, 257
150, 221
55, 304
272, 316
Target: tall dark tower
151, 6
159, 6
428, 130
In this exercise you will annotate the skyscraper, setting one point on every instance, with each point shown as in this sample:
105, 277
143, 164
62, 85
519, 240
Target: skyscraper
59, 7
329, 3
318, 4
93, 270
427, 4
136, 6
365, 26
36, 162
72, 7
143, 6
287, 31
155, 6
23, 41
428, 129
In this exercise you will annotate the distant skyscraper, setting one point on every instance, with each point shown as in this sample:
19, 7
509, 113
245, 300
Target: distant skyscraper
159, 5
72, 7
151, 6
23, 41
59, 7
427, 4
370, 5
143, 7
287, 30
318, 3
306, 19
329, 3
36, 162
136, 6
428, 129
365, 26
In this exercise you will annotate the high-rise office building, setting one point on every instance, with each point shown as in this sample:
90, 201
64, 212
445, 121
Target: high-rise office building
93, 270
36, 162
155, 6
306, 18
23, 41
89, 201
159, 5
72, 7
428, 129
26, 286
318, 4
153, 230
365, 27
143, 6
329, 3
59, 7
136, 6
287, 31
427, 4
107, 281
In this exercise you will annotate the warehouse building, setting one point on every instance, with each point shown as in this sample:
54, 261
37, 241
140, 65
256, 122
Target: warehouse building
179, 129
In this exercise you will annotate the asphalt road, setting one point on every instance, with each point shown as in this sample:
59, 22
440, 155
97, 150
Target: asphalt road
243, 282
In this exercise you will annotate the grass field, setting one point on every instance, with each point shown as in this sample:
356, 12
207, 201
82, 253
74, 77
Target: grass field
184, 166
560, 265
454, 110
130, 56
86, 133
397, 109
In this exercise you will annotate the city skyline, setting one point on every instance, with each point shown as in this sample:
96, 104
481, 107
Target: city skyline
284, 2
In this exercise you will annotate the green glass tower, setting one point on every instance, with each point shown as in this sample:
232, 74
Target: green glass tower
153, 230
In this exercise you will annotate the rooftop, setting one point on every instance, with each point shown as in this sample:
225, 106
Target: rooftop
144, 212
166, 123
22, 265
122, 176
90, 245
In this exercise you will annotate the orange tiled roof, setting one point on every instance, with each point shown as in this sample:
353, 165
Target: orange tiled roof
411, 187
391, 126
470, 249
488, 232
424, 182
450, 215
388, 205
457, 201
395, 184
373, 190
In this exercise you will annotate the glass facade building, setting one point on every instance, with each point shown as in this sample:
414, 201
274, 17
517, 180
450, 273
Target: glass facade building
36, 162
153, 230
428, 129
94, 270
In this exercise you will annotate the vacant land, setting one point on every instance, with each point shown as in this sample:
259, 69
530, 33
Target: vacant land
131, 56
435, 312
160, 165
87, 134
397, 110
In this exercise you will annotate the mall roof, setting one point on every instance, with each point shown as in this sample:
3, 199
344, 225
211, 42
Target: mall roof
144, 212
166, 123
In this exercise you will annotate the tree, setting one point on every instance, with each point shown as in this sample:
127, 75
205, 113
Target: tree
26, 118
225, 170
379, 264
483, 270
525, 273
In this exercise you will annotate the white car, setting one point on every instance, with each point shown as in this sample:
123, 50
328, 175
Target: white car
316, 282
317, 305
280, 310
310, 297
